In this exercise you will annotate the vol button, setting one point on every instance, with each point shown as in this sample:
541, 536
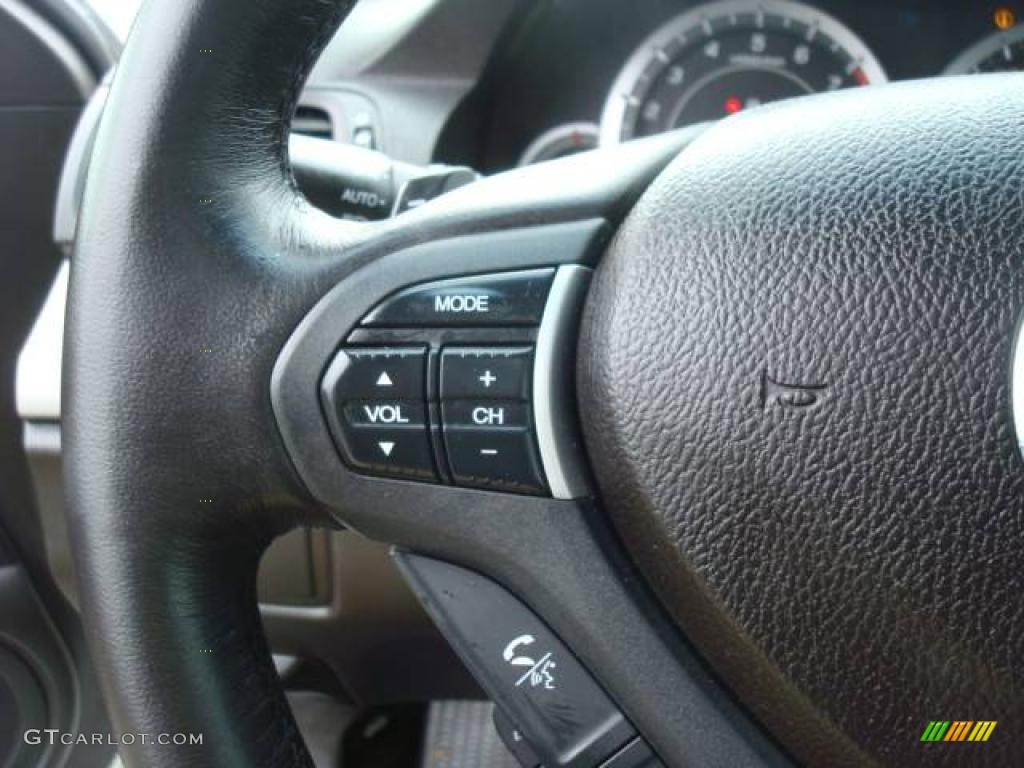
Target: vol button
387, 438
385, 413
391, 451
365, 373
373, 401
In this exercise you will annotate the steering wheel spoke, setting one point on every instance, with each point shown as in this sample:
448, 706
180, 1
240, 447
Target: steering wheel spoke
194, 422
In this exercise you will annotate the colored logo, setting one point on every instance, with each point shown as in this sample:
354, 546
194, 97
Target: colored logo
958, 730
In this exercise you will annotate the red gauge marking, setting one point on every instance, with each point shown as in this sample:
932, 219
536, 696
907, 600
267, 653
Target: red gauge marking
859, 77
733, 105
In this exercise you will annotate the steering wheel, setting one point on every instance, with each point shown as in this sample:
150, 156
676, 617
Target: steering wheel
764, 495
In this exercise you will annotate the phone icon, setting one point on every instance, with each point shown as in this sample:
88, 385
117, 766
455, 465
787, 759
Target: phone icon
510, 655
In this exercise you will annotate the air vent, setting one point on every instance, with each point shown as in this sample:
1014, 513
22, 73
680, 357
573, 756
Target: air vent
312, 121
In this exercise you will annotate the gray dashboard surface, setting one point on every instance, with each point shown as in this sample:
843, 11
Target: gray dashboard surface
416, 60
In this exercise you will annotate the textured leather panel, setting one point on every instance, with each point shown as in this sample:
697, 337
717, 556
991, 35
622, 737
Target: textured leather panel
180, 300
845, 550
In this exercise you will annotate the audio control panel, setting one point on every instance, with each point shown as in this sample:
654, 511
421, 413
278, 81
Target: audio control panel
440, 383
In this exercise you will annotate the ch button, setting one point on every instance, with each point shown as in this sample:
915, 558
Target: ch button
492, 373
488, 430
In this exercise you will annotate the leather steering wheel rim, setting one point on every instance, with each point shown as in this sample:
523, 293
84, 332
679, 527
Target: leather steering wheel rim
190, 182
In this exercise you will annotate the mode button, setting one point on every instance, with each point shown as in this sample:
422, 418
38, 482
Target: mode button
508, 298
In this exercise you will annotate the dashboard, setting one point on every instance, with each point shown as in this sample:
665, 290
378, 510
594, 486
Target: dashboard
571, 74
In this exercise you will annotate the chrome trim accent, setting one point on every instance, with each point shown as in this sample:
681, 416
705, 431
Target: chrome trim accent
74, 171
630, 77
1017, 386
968, 62
560, 134
554, 401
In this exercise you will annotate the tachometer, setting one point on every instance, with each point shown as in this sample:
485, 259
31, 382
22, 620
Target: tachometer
999, 52
560, 141
726, 56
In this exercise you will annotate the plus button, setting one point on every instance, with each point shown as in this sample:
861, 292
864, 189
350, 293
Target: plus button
488, 378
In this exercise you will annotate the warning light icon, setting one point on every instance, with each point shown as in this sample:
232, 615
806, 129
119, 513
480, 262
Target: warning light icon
1004, 18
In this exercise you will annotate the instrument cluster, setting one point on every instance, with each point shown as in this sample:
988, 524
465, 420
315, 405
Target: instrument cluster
580, 73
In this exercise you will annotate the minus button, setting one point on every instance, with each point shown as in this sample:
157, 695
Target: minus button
500, 458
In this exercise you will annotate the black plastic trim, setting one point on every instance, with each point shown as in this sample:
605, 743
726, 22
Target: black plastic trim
559, 557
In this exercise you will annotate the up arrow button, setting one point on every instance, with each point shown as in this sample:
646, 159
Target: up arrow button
371, 373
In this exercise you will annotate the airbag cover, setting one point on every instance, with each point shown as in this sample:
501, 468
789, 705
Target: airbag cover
794, 382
